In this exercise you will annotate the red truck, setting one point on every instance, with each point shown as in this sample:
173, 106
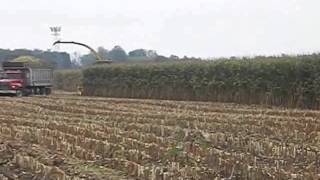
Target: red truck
23, 79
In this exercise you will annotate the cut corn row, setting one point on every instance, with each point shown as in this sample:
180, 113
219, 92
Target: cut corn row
149, 139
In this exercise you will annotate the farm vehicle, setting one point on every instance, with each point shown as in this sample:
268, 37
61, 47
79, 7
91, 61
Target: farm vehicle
23, 79
99, 59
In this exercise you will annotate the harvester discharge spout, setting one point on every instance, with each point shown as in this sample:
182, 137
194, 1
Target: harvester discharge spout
99, 60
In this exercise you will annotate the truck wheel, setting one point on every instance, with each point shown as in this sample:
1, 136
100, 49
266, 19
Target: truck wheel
19, 93
47, 91
42, 91
32, 92
35, 91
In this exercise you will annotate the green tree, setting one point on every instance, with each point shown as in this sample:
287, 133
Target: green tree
138, 53
118, 54
103, 52
87, 60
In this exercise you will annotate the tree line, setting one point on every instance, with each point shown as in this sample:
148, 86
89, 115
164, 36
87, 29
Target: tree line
58, 60
63, 60
118, 55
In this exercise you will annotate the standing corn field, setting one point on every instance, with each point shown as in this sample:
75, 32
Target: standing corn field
286, 81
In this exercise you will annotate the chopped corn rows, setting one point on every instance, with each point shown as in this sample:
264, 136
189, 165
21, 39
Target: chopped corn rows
152, 139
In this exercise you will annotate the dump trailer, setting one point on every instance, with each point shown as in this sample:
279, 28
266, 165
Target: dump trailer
22, 79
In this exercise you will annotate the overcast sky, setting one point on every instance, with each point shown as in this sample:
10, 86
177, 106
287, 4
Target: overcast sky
202, 28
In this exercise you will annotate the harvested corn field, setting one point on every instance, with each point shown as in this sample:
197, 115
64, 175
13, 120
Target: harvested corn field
70, 137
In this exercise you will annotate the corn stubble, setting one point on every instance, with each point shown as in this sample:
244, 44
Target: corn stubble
151, 139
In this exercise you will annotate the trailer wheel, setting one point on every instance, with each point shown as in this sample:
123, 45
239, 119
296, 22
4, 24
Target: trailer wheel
35, 91
47, 91
19, 93
42, 91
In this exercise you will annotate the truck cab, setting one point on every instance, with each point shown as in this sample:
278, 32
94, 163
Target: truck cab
12, 82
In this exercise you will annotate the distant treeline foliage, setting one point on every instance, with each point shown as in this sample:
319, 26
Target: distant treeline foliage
59, 60
282, 81
119, 55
